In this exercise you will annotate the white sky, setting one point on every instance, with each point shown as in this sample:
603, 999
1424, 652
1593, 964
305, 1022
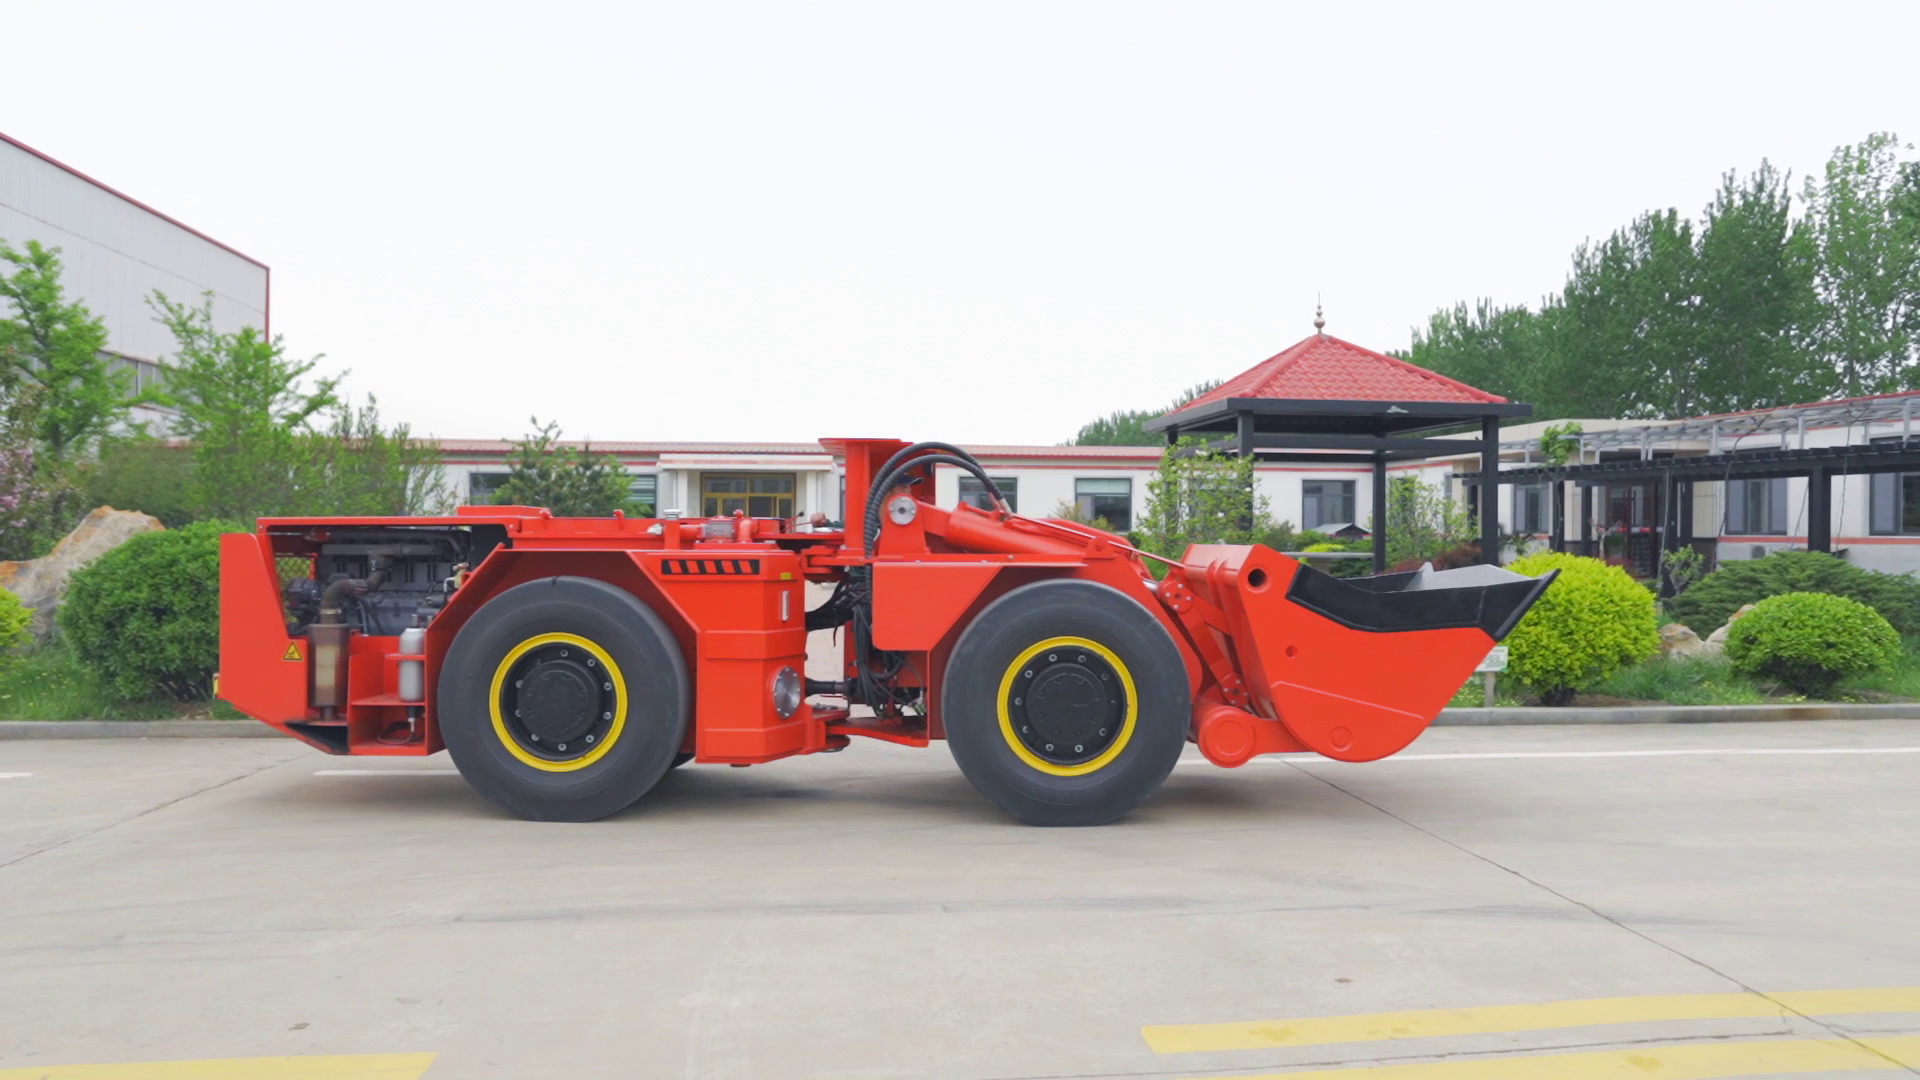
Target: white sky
981, 222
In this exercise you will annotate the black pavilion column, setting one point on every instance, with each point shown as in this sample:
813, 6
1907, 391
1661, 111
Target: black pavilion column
1490, 490
1820, 510
1379, 513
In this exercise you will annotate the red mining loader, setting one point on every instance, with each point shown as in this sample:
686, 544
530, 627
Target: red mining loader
568, 663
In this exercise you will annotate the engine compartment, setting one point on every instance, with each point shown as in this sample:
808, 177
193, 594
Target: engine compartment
381, 578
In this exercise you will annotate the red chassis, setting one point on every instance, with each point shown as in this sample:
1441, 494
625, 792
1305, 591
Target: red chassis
568, 663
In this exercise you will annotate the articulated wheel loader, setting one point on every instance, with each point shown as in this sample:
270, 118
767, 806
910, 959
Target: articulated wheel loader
566, 664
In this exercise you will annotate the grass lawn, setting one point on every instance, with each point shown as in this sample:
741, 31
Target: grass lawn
51, 684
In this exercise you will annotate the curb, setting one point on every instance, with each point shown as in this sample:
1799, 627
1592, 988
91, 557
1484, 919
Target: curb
135, 729
1673, 714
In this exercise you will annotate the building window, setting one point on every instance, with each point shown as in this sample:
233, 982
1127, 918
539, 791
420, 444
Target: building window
482, 485
646, 494
1757, 507
1105, 498
1530, 504
974, 493
1894, 506
760, 495
1325, 502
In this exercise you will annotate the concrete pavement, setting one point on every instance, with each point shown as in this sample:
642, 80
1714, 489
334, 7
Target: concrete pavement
865, 914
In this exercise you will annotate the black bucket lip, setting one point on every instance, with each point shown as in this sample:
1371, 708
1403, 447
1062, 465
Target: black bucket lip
1494, 609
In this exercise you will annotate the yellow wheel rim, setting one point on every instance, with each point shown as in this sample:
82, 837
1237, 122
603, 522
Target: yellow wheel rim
512, 743
1128, 720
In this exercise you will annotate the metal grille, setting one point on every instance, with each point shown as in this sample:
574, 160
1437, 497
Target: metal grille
290, 567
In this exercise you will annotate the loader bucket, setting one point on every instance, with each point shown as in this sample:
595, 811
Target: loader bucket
1356, 668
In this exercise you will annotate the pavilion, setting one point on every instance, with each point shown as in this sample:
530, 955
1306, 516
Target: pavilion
1328, 401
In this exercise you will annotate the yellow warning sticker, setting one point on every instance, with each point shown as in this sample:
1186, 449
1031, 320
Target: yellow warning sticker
293, 651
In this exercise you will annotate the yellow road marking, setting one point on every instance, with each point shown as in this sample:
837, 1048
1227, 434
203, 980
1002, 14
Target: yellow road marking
317, 1067
1692, 1061
1495, 1019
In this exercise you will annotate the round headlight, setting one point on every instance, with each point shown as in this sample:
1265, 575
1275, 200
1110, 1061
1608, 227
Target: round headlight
787, 692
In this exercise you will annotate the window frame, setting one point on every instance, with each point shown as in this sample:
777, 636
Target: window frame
1090, 502
1009, 487
1743, 509
721, 504
1316, 500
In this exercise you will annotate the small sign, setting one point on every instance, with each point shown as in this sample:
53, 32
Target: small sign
1496, 660
293, 651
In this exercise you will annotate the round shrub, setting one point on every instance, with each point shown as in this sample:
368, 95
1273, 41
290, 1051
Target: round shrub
14, 619
1591, 622
145, 617
1707, 603
1810, 641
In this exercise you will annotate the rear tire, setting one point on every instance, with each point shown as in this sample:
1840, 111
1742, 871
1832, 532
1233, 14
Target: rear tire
564, 699
1066, 703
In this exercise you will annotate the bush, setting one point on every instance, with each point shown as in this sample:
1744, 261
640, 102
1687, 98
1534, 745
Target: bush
146, 474
1810, 641
1592, 621
14, 617
146, 615
1707, 604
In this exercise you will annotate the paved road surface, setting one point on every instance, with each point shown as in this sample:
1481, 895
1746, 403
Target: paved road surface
866, 915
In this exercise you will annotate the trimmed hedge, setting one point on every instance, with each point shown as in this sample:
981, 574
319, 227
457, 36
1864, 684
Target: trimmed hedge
1591, 622
14, 619
146, 615
1707, 604
1810, 641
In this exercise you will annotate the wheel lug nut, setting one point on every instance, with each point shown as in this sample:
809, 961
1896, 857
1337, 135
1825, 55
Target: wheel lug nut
1079, 749
563, 746
589, 738
606, 716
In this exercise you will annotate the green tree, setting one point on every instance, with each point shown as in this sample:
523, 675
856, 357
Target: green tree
1864, 215
137, 471
244, 410
1422, 521
355, 466
55, 375
1202, 497
1128, 427
1754, 302
1499, 349
570, 481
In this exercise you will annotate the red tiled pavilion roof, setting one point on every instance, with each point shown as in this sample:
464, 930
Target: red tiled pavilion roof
1325, 368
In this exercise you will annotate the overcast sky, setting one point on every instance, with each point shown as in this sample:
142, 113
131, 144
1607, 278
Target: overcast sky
980, 222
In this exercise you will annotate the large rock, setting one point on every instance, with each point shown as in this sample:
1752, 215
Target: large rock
1677, 640
1718, 639
41, 583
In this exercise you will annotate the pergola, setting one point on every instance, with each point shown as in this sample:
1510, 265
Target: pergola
1326, 401
1761, 444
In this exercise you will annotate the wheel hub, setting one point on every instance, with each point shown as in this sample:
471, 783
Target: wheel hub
1067, 705
558, 701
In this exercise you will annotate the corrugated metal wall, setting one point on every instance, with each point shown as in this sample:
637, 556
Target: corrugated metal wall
117, 253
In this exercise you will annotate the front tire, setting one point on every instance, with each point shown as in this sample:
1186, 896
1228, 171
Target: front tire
564, 699
1066, 703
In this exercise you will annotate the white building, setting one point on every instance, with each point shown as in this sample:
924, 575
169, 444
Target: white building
117, 251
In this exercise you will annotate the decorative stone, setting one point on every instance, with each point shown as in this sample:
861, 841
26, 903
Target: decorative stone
41, 584
1719, 637
1676, 640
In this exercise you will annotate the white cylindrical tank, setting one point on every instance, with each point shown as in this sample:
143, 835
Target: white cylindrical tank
413, 673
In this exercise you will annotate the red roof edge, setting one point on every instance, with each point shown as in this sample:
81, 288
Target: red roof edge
124, 197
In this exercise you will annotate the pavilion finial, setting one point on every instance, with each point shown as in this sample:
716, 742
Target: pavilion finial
1319, 317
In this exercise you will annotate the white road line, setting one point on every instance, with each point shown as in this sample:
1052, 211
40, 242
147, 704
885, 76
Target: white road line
13, 775
387, 772
1284, 759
